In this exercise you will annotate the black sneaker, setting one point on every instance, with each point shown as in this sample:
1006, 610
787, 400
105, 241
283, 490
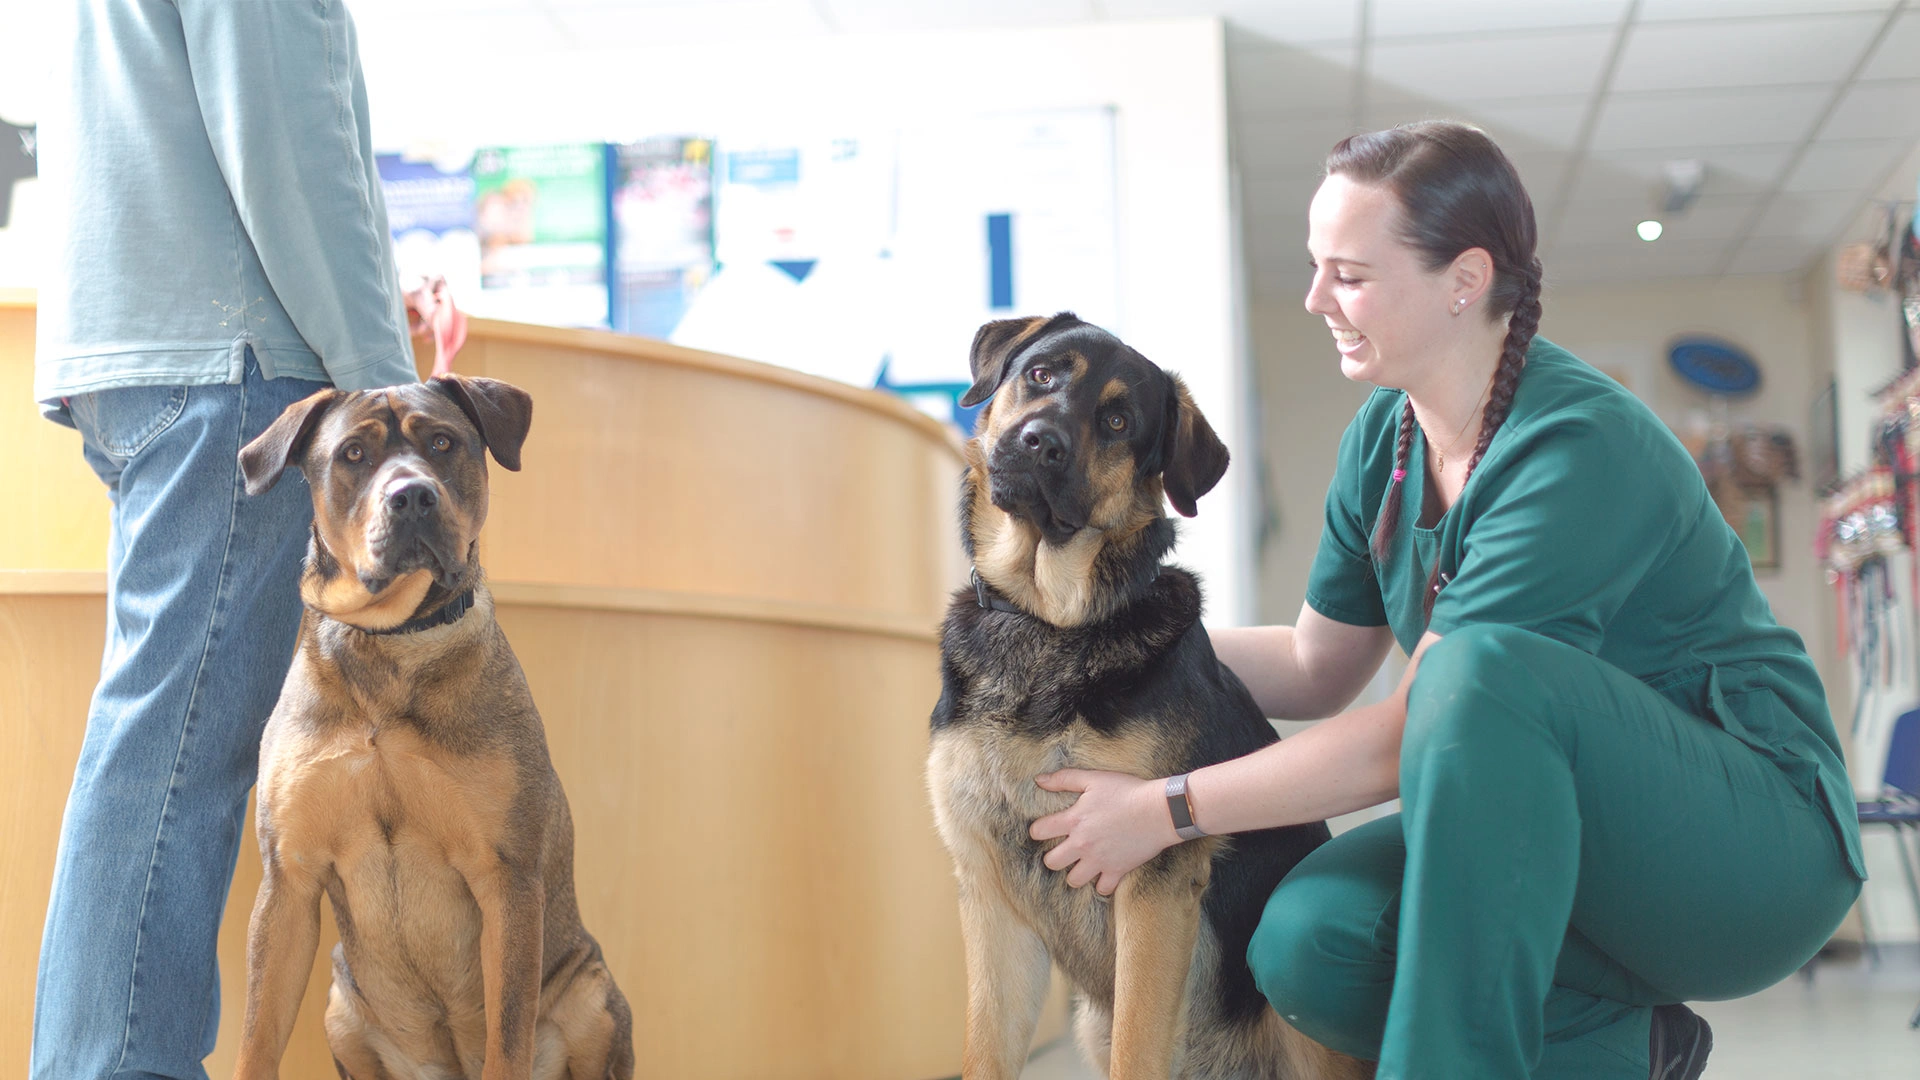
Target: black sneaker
1679, 1043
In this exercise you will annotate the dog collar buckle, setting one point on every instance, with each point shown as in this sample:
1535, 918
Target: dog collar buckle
985, 595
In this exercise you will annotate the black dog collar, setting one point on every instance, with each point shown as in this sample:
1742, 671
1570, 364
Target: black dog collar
451, 613
987, 597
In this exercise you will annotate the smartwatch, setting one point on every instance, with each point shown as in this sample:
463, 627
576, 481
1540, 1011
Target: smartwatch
1182, 809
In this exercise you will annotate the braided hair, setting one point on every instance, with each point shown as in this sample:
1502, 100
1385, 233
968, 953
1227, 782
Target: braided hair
1456, 190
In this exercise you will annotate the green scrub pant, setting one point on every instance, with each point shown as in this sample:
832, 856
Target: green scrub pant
1572, 849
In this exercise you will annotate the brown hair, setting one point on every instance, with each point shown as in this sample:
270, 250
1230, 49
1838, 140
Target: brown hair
1456, 191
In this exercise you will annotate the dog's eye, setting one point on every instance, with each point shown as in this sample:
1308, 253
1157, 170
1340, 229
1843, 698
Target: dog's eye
1041, 376
1117, 422
353, 453
441, 444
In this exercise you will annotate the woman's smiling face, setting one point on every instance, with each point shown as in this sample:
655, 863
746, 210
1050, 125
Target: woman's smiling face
1385, 309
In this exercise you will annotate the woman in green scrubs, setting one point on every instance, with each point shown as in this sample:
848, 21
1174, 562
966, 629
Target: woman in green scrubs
1620, 787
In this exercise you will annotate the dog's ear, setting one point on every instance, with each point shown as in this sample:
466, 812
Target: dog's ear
994, 347
265, 458
502, 412
1195, 457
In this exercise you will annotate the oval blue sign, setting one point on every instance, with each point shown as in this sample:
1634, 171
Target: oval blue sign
1714, 365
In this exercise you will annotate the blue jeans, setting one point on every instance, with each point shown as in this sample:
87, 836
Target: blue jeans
203, 610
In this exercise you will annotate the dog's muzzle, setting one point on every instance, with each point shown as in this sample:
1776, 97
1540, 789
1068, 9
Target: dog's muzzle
409, 533
1032, 476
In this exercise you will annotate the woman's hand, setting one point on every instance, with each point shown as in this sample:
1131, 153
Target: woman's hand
1117, 823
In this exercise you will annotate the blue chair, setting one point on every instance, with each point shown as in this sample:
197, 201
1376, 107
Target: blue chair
1899, 803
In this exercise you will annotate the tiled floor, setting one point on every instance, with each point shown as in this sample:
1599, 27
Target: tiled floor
1850, 1023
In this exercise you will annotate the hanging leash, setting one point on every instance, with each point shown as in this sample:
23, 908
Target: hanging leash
430, 310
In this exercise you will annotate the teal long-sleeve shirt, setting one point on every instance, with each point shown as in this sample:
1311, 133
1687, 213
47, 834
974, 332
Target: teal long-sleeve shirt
211, 176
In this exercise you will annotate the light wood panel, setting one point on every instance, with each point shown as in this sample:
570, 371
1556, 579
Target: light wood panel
43, 478
723, 581
49, 660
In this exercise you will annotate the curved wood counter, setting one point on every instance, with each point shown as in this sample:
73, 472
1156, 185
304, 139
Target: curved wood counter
723, 581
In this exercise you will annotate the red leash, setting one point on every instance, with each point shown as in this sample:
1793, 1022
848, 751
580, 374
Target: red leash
430, 309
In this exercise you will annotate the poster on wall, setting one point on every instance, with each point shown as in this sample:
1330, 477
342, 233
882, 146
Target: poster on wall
541, 216
802, 229
1001, 216
430, 213
662, 230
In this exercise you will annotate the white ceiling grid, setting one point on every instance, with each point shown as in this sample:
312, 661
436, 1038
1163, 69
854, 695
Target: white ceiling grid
1801, 109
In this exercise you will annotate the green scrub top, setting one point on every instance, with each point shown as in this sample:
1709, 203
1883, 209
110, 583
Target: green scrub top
1589, 523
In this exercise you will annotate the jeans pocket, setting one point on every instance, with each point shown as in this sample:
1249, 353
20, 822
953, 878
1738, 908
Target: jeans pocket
123, 420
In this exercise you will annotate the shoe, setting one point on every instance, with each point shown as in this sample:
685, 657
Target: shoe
1679, 1043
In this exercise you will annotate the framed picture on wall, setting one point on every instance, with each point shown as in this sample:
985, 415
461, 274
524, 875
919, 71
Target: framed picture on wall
1755, 515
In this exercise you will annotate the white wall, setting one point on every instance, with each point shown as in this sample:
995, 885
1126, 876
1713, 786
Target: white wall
1627, 329
1305, 405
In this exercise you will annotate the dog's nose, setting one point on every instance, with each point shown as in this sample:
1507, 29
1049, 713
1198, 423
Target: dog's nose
411, 497
1046, 442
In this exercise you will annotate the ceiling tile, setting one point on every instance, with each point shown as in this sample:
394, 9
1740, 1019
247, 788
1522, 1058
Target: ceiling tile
1285, 79
1541, 172
1774, 255
1270, 21
1585, 225
1880, 110
1818, 219
1898, 56
607, 26
1659, 10
1520, 127
1632, 260
1529, 126
362, 13
1278, 149
481, 33
1566, 62
862, 16
1689, 56
1641, 174
1719, 219
1416, 18
1844, 166
1706, 118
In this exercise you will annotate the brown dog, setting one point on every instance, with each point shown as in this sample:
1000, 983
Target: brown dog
404, 772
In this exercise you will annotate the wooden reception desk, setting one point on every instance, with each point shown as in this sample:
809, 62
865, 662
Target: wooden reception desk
723, 580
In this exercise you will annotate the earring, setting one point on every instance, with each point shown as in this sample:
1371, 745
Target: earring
1459, 305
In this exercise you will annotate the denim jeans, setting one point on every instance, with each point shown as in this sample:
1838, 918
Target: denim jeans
203, 610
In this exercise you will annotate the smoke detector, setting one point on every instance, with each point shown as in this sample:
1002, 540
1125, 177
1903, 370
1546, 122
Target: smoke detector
1683, 182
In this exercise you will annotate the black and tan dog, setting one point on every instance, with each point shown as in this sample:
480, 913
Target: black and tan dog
1078, 648
404, 773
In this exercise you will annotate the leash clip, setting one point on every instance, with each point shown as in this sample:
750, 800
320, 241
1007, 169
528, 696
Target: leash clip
979, 587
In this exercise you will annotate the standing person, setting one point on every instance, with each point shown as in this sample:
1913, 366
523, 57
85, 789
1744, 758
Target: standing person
1620, 786
222, 253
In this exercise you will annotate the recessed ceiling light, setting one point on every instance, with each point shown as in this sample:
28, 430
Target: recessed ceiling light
1648, 230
